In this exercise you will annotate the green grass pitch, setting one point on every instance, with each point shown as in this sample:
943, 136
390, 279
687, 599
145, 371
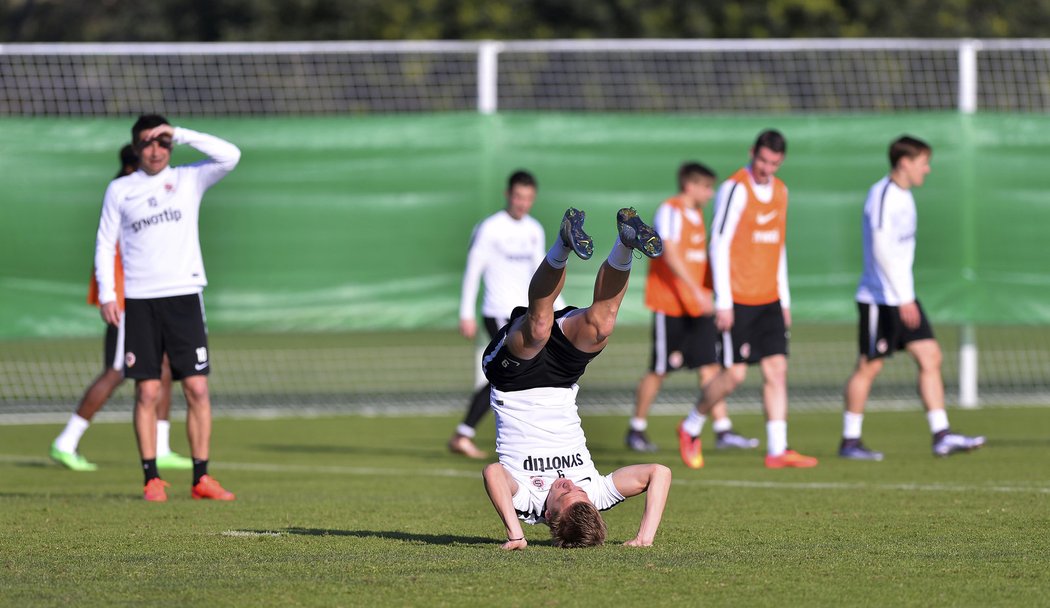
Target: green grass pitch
357, 511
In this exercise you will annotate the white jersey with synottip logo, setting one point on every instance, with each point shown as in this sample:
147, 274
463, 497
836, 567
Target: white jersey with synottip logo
154, 218
539, 438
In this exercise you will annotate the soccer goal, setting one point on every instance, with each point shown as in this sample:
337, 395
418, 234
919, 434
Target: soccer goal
456, 86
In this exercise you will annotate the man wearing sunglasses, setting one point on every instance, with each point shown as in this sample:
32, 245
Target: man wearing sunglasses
153, 213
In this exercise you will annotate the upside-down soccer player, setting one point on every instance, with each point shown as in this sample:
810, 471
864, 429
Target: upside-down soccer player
545, 473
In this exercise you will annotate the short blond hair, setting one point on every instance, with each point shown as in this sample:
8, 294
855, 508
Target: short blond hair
580, 525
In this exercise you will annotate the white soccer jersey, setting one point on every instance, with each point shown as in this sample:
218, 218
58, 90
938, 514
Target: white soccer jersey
888, 230
154, 218
539, 438
504, 252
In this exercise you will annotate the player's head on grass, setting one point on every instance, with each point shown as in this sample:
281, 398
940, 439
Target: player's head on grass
767, 155
696, 182
574, 521
521, 193
910, 161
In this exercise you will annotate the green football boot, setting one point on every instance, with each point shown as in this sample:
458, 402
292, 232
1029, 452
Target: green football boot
71, 460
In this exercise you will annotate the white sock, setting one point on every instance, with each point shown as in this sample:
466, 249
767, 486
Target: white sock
558, 254
639, 424
776, 437
722, 425
938, 420
694, 423
69, 438
851, 425
466, 431
163, 438
621, 256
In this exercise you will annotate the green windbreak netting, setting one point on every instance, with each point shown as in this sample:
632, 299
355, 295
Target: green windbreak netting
362, 223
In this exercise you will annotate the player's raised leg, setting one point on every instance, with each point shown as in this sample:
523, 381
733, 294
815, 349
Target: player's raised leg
589, 329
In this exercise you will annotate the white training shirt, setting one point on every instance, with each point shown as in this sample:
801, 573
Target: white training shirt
539, 438
723, 229
504, 252
154, 218
888, 230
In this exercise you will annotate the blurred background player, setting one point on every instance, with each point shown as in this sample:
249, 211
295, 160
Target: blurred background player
154, 214
505, 250
545, 473
891, 317
64, 448
678, 291
752, 299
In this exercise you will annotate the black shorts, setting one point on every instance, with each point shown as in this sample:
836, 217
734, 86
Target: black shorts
758, 332
173, 325
683, 342
493, 325
882, 332
559, 364
114, 346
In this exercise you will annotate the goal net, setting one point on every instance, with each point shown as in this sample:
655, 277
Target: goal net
324, 364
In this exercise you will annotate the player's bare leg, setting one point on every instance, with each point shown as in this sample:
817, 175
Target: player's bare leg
64, 447
858, 387
166, 458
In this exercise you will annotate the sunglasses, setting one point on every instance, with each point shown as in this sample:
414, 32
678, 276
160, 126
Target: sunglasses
163, 141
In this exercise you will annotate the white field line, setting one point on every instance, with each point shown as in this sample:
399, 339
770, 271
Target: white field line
725, 483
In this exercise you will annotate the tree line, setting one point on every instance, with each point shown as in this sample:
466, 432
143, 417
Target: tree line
273, 20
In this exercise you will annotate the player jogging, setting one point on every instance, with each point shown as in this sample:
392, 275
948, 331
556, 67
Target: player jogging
505, 249
64, 448
890, 316
545, 473
678, 291
752, 299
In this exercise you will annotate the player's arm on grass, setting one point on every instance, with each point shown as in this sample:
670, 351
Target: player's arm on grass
655, 481
501, 488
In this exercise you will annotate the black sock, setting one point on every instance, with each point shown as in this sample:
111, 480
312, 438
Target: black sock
200, 469
940, 435
721, 434
149, 469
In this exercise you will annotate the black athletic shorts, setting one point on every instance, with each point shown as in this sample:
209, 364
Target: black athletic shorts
758, 332
113, 351
683, 343
882, 332
559, 364
173, 325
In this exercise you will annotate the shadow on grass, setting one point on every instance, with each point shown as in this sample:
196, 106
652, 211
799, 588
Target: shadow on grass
72, 495
400, 450
1019, 442
428, 539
